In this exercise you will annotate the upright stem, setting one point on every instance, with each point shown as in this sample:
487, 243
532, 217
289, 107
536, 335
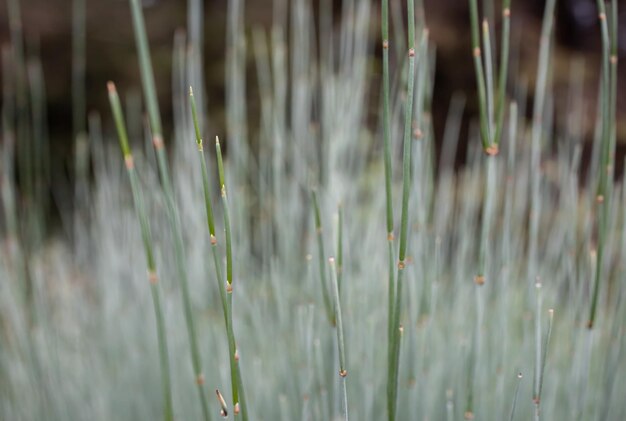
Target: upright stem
149, 89
322, 259
343, 372
504, 69
608, 105
480, 76
239, 403
388, 171
168, 413
394, 353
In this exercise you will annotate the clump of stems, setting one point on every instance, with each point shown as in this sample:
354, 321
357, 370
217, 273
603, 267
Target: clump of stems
395, 328
146, 236
149, 90
225, 291
491, 101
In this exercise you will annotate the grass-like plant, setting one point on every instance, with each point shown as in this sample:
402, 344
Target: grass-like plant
149, 90
146, 236
419, 339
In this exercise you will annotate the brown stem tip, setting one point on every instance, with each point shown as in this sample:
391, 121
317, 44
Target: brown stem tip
476, 51
492, 150
479, 280
157, 141
200, 379
469, 415
152, 277
343, 373
385, 44
411, 52
128, 160
222, 402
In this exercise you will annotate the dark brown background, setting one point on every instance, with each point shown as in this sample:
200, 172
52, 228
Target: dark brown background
111, 52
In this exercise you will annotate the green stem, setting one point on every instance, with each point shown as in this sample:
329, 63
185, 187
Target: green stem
149, 90
607, 97
239, 402
146, 236
394, 354
343, 372
321, 259
504, 69
480, 76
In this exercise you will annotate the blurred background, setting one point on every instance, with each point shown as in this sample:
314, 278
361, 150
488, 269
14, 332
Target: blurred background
111, 55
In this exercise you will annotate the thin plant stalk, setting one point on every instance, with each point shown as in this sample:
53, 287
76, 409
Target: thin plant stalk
541, 352
537, 373
537, 131
79, 113
546, 343
168, 413
343, 372
226, 302
388, 171
480, 76
149, 89
394, 354
321, 259
608, 94
515, 394
489, 79
340, 248
491, 92
503, 69
239, 402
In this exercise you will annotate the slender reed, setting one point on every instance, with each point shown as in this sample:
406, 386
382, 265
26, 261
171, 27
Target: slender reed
537, 131
480, 76
239, 402
394, 345
489, 79
79, 114
116, 108
321, 259
388, 170
608, 92
340, 247
491, 92
343, 372
541, 352
149, 89
504, 68
515, 394
226, 302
